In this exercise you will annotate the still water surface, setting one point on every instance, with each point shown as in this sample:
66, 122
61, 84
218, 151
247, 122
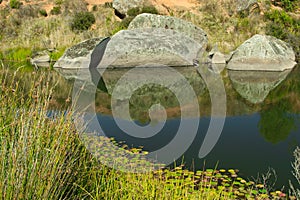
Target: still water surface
261, 130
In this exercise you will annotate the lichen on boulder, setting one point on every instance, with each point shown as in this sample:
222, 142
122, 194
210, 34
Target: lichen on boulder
79, 55
147, 20
262, 52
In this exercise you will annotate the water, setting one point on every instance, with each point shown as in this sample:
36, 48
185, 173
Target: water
261, 129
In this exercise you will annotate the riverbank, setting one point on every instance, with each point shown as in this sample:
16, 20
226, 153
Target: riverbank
57, 164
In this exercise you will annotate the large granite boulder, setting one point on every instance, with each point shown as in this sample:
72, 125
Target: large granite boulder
150, 46
122, 6
255, 86
79, 55
132, 48
263, 52
147, 20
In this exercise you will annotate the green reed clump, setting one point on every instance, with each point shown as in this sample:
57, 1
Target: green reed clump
38, 155
16, 57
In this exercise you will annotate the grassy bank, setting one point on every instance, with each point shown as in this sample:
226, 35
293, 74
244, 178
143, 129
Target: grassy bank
43, 157
28, 27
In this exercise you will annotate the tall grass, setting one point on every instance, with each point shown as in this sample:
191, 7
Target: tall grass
38, 155
295, 191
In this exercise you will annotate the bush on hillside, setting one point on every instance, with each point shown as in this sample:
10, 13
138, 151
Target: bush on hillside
137, 10
83, 21
43, 12
56, 10
15, 4
281, 25
288, 5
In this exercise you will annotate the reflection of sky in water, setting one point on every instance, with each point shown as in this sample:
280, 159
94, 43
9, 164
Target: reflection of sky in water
240, 146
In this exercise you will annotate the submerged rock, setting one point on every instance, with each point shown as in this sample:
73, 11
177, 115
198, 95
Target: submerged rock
255, 86
263, 52
147, 20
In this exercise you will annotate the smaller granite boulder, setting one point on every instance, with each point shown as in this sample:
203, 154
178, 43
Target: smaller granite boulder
147, 20
41, 59
79, 55
263, 52
218, 58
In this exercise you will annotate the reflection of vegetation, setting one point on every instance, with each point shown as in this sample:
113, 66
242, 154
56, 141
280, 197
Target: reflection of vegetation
288, 93
276, 123
148, 95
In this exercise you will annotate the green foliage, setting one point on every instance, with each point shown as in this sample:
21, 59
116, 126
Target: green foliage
137, 10
56, 10
94, 8
132, 13
288, 5
57, 54
83, 21
17, 57
59, 2
276, 124
15, 4
284, 27
108, 5
43, 12
19, 54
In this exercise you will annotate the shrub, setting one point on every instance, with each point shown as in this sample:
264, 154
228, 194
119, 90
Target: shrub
149, 9
288, 5
108, 5
15, 4
133, 12
56, 10
94, 8
284, 27
136, 11
83, 21
43, 12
